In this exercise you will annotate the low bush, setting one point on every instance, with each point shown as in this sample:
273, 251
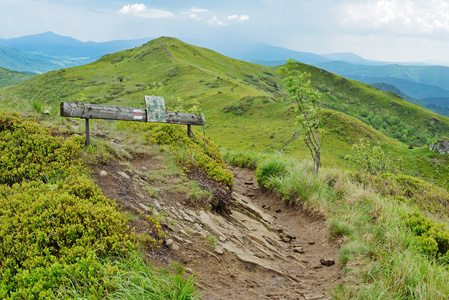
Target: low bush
432, 238
191, 153
57, 229
426, 195
29, 152
270, 168
244, 159
291, 179
50, 230
372, 160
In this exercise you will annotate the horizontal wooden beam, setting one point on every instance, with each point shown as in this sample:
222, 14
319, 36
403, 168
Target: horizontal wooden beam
94, 111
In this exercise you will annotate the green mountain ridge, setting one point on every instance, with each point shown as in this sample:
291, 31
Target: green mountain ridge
417, 81
386, 87
14, 59
9, 77
243, 102
437, 105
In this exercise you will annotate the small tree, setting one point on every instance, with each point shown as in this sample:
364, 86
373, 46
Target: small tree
306, 98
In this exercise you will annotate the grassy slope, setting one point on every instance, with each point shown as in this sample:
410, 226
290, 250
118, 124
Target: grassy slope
8, 77
235, 97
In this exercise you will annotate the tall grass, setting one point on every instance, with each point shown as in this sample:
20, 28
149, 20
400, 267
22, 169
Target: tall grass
244, 159
135, 279
138, 281
381, 257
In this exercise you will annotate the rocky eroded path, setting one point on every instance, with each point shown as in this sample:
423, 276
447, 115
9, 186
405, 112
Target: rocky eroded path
262, 250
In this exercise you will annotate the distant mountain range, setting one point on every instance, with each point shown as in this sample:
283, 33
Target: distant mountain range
420, 80
40, 53
52, 44
48, 51
432, 76
232, 92
13, 59
438, 105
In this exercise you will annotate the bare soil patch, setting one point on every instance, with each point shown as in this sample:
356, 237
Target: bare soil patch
260, 250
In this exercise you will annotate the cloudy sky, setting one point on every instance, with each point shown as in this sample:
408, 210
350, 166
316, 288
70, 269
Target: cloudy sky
388, 30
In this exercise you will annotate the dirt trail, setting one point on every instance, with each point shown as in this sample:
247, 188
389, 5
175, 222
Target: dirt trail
263, 250
168, 53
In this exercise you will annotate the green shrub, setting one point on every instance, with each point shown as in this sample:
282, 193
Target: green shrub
191, 153
372, 160
340, 227
293, 181
56, 227
240, 107
244, 159
273, 166
47, 230
432, 238
426, 195
29, 152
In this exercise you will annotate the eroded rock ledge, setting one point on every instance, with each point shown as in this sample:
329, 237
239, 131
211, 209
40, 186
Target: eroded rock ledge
442, 146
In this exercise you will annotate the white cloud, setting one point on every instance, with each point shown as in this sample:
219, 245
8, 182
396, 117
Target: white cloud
398, 16
215, 21
193, 13
238, 18
140, 10
233, 18
197, 10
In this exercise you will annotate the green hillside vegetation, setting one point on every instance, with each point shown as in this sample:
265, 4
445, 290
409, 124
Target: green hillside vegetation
8, 77
395, 227
60, 236
438, 105
382, 192
234, 94
386, 87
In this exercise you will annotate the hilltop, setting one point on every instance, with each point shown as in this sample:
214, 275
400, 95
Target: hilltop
234, 94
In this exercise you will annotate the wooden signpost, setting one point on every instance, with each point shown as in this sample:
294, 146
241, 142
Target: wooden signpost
154, 112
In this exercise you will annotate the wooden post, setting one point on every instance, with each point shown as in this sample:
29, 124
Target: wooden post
94, 111
189, 131
87, 133
159, 115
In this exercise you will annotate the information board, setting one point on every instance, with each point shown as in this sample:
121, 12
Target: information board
155, 107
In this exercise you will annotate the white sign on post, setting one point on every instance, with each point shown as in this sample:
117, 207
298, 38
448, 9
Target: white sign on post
155, 107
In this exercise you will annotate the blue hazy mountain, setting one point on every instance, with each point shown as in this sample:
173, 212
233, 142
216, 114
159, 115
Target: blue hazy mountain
49, 51
52, 44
